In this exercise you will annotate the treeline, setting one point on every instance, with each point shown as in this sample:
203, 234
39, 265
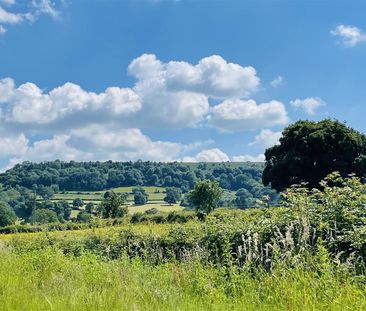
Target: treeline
95, 176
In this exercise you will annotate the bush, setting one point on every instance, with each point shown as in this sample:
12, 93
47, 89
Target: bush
84, 217
7, 215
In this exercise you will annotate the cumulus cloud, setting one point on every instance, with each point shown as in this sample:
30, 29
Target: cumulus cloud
212, 76
350, 35
85, 125
176, 94
126, 144
6, 90
250, 158
94, 142
170, 95
309, 104
266, 138
57, 147
28, 104
276, 82
209, 155
236, 115
13, 145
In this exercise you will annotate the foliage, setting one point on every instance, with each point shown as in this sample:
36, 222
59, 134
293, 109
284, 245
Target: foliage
244, 199
309, 151
7, 215
98, 176
113, 205
77, 202
140, 197
43, 216
206, 195
173, 195
89, 208
84, 217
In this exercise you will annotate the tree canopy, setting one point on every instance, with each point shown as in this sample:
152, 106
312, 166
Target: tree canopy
308, 151
113, 206
206, 195
49, 177
7, 215
173, 195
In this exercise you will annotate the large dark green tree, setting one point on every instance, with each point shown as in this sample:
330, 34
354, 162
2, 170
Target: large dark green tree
308, 151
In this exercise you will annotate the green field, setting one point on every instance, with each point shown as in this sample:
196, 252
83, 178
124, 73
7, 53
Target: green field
155, 200
155, 194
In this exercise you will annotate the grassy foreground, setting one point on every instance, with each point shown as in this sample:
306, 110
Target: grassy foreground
309, 254
50, 280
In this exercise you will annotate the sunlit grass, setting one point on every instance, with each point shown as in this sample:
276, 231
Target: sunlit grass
49, 280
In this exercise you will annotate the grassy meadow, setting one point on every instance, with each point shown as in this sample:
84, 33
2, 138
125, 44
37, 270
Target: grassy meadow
155, 199
51, 280
308, 254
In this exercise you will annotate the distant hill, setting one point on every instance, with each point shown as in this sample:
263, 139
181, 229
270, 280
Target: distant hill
94, 176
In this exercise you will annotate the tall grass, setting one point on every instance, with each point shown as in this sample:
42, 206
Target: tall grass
50, 280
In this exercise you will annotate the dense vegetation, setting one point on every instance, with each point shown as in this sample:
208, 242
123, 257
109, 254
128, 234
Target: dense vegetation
93, 176
308, 254
308, 151
29, 189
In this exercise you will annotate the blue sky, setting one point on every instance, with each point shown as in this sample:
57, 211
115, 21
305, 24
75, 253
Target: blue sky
168, 80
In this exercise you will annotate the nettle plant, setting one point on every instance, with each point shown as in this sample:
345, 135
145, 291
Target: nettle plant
329, 223
336, 215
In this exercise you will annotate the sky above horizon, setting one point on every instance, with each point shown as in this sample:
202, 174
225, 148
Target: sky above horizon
173, 80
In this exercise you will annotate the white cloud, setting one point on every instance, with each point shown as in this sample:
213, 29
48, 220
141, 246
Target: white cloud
212, 76
92, 143
10, 18
350, 35
13, 145
276, 82
236, 115
309, 104
175, 94
28, 104
6, 89
209, 155
250, 158
266, 138
166, 95
125, 144
31, 12
55, 148
85, 125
